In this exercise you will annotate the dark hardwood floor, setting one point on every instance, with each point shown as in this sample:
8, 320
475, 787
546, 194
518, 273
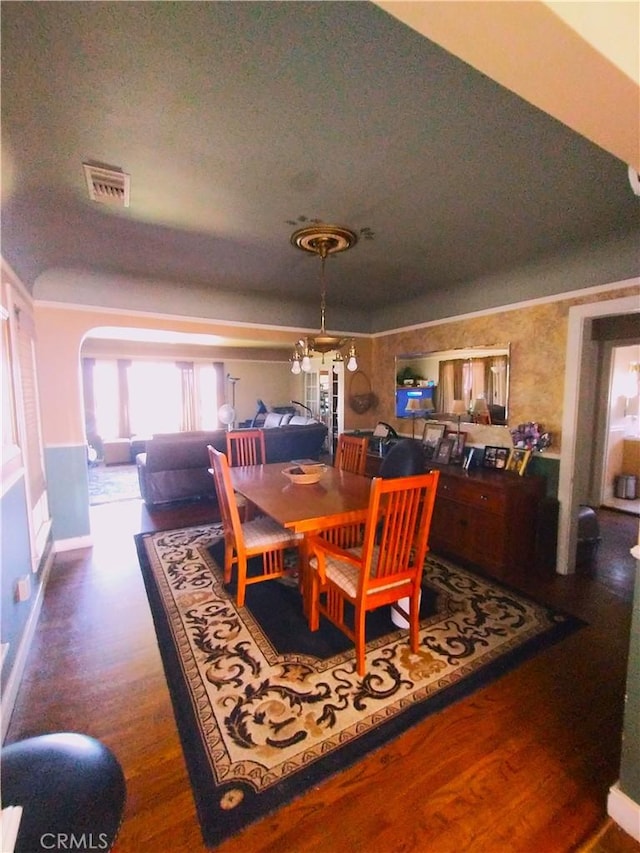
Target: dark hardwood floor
524, 764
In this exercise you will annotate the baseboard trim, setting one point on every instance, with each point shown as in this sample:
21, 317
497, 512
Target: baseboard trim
624, 810
10, 692
72, 544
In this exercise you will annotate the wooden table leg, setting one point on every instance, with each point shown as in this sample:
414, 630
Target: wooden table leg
304, 576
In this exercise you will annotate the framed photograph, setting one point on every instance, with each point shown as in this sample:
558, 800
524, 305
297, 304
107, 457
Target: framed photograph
459, 441
431, 436
443, 451
495, 457
470, 458
518, 460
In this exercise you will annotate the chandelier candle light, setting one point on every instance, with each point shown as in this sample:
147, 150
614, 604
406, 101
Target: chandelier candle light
323, 240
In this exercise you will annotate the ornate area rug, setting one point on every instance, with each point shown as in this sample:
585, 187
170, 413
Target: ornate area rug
266, 709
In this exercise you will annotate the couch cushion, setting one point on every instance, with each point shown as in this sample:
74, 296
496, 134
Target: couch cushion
188, 451
295, 442
302, 420
272, 419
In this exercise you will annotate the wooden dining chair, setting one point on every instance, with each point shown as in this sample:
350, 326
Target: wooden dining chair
351, 453
246, 447
387, 567
261, 537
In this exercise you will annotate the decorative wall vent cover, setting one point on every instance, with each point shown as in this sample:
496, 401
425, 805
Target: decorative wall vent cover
107, 185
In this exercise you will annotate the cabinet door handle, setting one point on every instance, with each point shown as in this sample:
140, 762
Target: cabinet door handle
484, 497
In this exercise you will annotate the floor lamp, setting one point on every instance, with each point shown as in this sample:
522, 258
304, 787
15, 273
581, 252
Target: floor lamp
232, 380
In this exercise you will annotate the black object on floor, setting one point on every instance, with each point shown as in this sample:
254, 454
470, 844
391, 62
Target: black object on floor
588, 534
69, 785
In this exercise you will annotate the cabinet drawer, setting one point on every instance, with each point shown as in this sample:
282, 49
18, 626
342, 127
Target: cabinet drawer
474, 493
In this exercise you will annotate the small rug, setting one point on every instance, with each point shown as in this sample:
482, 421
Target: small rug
108, 483
267, 709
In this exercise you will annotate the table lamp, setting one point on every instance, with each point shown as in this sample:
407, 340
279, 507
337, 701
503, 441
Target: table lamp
414, 408
480, 411
458, 408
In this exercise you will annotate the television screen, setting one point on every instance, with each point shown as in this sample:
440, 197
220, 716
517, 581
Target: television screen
410, 402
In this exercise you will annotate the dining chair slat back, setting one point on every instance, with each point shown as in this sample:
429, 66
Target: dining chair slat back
261, 537
387, 567
246, 447
351, 453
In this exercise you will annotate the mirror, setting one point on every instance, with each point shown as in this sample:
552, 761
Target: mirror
471, 383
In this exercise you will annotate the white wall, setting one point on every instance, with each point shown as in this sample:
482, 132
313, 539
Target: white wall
271, 381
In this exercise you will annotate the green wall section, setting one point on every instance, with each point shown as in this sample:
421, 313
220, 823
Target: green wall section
68, 491
630, 761
548, 468
16, 563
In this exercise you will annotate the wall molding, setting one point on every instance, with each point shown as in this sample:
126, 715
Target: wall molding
624, 811
72, 544
581, 293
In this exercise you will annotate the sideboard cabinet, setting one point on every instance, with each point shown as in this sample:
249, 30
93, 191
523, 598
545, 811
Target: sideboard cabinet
489, 518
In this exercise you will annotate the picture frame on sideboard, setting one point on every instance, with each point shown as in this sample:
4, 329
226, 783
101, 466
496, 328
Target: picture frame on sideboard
495, 457
471, 455
459, 440
431, 436
518, 460
443, 451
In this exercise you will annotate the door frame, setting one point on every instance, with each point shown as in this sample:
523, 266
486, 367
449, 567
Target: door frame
580, 386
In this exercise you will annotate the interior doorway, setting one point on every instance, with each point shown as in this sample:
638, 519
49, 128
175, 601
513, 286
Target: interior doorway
324, 397
617, 487
580, 416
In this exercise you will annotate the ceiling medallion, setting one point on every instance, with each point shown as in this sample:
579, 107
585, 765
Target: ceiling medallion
323, 240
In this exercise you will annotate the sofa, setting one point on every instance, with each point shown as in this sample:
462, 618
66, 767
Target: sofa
175, 466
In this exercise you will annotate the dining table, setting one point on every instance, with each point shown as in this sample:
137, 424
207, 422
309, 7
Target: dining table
338, 498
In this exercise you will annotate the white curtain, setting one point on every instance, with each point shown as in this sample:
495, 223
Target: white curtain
498, 389
188, 419
446, 393
478, 385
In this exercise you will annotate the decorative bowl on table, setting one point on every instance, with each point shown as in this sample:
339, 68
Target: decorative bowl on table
304, 475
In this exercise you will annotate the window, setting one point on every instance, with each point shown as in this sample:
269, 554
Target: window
155, 397
141, 398
206, 393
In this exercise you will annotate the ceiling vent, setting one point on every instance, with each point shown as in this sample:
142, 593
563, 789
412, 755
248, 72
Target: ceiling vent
107, 185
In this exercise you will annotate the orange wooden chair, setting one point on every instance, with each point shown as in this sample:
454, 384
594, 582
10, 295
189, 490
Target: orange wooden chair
242, 540
246, 447
351, 453
387, 567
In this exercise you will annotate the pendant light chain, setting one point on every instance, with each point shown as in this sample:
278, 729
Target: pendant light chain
323, 240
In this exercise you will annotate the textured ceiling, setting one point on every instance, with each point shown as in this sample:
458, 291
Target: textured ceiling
239, 121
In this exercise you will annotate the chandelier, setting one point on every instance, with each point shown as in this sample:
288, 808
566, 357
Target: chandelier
323, 240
